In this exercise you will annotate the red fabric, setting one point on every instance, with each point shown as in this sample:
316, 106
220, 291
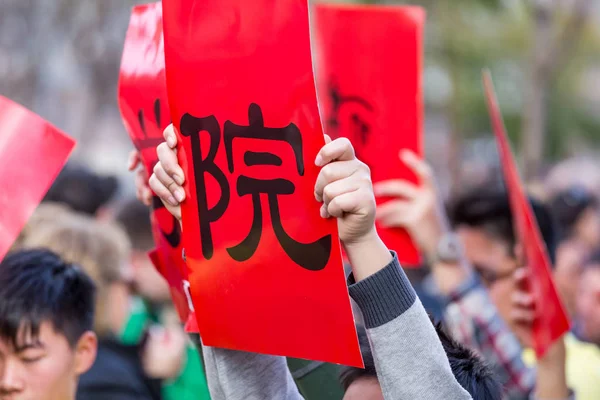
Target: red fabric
551, 319
370, 91
240, 82
33, 152
145, 111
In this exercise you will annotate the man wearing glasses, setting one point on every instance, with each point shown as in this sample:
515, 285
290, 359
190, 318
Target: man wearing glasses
477, 271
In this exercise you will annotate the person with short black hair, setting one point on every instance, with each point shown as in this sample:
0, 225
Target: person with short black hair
121, 371
82, 190
478, 272
473, 374
46, 326
577, 212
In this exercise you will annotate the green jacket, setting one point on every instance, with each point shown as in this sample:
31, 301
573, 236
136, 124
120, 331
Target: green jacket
191, 384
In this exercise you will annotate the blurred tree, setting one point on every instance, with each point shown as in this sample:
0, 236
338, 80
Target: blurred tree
538, 51
554, 41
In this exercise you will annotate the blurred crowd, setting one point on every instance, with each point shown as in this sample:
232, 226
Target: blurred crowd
473, 282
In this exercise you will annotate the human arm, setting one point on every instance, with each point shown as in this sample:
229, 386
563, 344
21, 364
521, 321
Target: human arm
409, 358
344, 187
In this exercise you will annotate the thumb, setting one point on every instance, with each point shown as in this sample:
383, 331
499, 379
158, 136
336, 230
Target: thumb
327, 138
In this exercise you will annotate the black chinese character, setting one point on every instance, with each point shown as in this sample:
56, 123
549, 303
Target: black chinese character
360, 128
311, 256
192, 126
146, 142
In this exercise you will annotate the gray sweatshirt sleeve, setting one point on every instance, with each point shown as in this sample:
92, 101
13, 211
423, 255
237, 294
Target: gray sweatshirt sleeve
234, 375
409, 358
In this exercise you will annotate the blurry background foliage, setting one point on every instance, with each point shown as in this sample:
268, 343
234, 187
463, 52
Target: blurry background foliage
61, 59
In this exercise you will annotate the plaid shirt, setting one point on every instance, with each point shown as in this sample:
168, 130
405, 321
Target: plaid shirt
474, 321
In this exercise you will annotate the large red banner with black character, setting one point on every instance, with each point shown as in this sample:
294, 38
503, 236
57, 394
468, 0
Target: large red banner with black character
551, 320
33, 152
369, 77
145, 111
265, 269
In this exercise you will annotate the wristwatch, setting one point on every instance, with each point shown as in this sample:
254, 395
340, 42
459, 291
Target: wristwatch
448, 250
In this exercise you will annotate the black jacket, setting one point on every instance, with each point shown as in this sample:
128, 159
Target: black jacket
117, 374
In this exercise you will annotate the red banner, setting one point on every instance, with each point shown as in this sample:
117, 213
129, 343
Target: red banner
180, 298
145, 111
265, 270
551, 319
370, 91
33, 152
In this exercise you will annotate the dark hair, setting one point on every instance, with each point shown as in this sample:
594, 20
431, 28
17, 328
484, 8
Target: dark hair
474, 375
38, 286
348, 375
82, 190
593, 261
490, 211
135, 219
568, 206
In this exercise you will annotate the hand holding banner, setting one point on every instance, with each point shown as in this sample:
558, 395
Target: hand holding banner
265, 268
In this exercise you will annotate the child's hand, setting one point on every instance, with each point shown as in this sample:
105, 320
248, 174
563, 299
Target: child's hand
168, 176
344, 187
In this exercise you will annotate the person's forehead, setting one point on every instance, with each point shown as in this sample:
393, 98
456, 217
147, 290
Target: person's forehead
24, 340
478, 239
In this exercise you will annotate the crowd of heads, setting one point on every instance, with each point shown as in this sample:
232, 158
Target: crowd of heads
73, 274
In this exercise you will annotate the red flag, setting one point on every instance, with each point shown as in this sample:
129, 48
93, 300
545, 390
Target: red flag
145, 111
265, 270
551, 319
370, 91
33, 152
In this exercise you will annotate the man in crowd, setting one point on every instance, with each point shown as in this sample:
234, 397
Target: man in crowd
121, 371
46, 326
478, 316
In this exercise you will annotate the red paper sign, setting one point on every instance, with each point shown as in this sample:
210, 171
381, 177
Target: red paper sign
145, 111
165, 267
33, 152
370, 91
551, 319
265, 270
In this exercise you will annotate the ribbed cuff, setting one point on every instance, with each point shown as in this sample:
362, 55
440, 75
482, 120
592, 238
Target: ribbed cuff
383, 296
